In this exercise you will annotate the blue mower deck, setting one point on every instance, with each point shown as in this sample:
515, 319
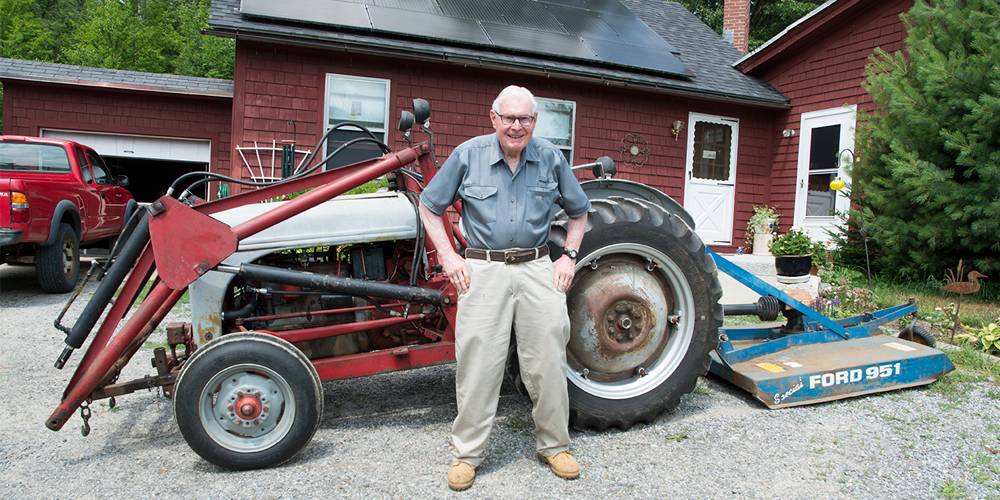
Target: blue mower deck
815, 358
813, 373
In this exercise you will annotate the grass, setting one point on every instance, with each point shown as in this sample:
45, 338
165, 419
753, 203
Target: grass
950, 489
971, 367
972, 360
976, 311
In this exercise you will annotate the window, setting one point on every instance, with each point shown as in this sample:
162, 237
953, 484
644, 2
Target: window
823, 168
556, 120
33, 157
712, 147
100, 169
84, 169
360, 100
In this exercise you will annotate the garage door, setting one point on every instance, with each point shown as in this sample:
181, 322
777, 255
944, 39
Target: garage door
137, 146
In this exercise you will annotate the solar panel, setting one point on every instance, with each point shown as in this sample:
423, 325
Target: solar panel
425, 6
582, 21
637, 57
335, 12
602, 6
543, 42
427, 25
601, 32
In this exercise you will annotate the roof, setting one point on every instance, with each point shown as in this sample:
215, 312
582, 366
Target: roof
707, 56
36, 71
797, 32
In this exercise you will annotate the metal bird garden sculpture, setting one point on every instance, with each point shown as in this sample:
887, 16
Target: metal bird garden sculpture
961, 288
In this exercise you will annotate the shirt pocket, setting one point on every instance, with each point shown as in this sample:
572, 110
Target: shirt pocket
541, 198
479, 203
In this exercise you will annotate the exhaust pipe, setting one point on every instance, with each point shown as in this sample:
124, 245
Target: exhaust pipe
350, 286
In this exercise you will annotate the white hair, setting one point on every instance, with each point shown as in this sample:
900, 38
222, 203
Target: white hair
514, 91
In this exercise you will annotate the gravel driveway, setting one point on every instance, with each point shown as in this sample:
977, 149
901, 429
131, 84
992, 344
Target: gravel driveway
385, 436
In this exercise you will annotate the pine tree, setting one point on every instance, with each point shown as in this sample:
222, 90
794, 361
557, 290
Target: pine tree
930, 153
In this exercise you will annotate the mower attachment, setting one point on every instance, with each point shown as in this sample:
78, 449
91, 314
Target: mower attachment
813, 358
816, 372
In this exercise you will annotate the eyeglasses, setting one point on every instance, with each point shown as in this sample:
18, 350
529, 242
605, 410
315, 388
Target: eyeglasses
508, 120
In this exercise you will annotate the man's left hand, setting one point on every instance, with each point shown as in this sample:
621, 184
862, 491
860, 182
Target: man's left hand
563, 271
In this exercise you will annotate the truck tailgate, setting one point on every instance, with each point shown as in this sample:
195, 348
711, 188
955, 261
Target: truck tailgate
4, 202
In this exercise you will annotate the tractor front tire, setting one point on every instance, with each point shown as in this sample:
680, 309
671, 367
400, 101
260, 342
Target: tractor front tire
57, 266
644, 313
248, 401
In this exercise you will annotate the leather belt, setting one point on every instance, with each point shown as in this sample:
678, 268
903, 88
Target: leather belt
511, 256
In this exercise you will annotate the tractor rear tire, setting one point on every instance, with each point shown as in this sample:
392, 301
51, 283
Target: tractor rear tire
644, 313
248, 401
57, 266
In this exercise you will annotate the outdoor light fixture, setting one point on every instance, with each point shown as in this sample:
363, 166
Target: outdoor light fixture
788, 132
676, 130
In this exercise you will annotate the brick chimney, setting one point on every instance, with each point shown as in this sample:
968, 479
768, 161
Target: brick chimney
736, 23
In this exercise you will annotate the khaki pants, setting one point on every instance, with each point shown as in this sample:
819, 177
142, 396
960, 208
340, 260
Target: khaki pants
501, 296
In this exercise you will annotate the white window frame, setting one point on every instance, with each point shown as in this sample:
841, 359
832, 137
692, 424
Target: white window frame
572, 136
330, 77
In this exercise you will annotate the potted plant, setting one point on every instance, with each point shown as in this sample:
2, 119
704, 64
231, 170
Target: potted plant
792, 254
760, 228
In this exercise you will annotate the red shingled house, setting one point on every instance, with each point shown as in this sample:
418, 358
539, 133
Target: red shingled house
643, 81
818, 63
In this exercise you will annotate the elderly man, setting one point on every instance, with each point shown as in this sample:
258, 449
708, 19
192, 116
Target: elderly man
509, 183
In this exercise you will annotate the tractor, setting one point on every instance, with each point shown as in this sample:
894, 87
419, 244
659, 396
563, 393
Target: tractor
285, 294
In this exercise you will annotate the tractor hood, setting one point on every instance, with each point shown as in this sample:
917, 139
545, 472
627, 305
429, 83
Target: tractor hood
343, 220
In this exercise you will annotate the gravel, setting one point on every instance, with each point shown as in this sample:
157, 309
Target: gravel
385, 436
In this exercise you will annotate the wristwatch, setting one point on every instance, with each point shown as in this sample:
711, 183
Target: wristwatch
571, 252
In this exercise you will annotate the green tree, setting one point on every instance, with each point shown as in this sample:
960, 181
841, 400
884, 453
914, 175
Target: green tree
22, 34
114, 35
767, 17
202, 55
930, 153
148, 35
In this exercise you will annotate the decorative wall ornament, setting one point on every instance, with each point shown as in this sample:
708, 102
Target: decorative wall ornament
634, 150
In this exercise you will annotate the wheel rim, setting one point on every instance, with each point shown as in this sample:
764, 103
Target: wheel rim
69, 257
247, 408
632, 321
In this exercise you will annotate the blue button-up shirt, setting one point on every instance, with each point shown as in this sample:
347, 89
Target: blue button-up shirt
501, 209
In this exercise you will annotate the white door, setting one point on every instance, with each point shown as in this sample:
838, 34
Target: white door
826, 138
139, 146
710, 190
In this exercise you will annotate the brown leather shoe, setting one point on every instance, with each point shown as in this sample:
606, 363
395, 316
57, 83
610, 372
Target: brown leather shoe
461, 476
562, 464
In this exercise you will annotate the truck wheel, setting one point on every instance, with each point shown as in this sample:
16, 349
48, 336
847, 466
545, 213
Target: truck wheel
643, 310
58, 265
248, 401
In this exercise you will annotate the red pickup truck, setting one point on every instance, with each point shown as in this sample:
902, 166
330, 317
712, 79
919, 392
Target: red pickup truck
55, 196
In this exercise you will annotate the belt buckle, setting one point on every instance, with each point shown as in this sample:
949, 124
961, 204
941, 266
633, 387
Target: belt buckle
509, 256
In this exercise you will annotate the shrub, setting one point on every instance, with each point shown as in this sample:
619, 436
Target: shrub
986, 338
930, 171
